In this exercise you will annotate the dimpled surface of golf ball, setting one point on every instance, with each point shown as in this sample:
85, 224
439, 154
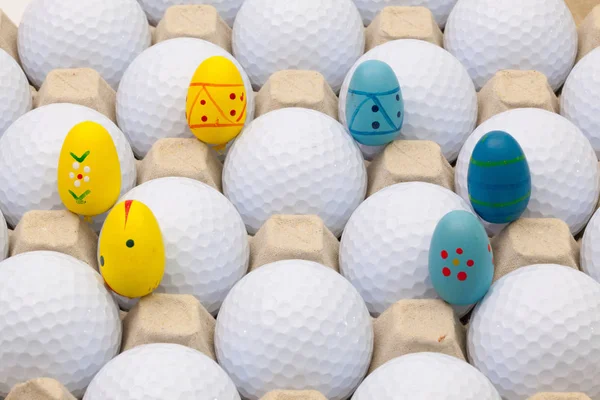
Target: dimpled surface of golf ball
384, 250
57, 321
155, 9
426, 376
538, 330
562, 164
580, 98
488, 36
15, 95
439, 8
294, 324
440, 102
29, 152
295, 161
160, 371
206, 245
319, 35
590, 252
151, 97
105, 35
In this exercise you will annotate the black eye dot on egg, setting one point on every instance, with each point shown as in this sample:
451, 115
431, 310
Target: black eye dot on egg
374, 108
397, 97
130, 243
399, 114
102, 261
375, 125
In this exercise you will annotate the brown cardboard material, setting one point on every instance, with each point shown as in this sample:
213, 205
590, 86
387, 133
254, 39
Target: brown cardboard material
589, 33
581, 8
40, 389
293, 395
560, 396
8, 36
297, 88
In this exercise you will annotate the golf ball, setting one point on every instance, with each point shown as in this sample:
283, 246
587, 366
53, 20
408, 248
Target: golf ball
161, 371
295, 161
562, 163
384, 250
590, 252
29, 155
580, 101
294, 324
538, 330
206, 244
15, 96
155, 9
57, 321
426, 376
320, 35
152, 96
488, 36
440, 102
439, 8
105, 35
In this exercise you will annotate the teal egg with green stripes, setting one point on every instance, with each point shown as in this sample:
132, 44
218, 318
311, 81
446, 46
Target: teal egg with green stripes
374, 104
498, 180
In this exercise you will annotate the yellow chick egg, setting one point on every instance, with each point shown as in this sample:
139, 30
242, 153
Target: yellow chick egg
89, 172
216, 102
131, 252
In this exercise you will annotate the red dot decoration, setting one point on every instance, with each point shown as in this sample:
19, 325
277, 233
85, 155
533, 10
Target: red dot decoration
242, 97
203, 102
470, 263
489, 248
446, 271
444, 254
232, 113
461, 276
204, 119
459, 251
79, 176
232, 96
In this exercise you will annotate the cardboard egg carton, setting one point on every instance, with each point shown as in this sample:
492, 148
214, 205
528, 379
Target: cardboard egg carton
534, 241
40, 389
589, 33
581, 8
417, 325
8, 36
560, 396
293, 395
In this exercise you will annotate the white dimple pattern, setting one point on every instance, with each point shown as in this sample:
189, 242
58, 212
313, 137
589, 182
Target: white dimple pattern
15, 96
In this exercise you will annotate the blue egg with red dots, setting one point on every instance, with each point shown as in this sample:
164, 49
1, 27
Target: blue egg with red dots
374, 104
460, 259
498, 179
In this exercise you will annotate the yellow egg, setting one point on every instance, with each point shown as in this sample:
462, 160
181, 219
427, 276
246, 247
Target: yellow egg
216, 101
89, 172
131, 252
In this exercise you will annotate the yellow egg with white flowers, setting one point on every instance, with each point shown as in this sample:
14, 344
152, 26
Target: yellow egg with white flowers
131, 251
216, 101
89, 172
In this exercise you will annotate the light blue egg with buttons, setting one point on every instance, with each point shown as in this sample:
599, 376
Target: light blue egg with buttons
461, 263
374, 104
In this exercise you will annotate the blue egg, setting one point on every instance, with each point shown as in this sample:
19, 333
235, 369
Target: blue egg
374, 105
460, 259
498, 180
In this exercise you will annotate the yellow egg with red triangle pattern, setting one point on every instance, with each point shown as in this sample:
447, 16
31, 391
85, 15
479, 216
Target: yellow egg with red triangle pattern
216, 101
89, 172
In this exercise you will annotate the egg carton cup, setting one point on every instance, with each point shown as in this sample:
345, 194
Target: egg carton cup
169, 318
40, 389
560, 396
417, 325
285, 237
8, 36
294, 395
529, 241
581, 9
589, 33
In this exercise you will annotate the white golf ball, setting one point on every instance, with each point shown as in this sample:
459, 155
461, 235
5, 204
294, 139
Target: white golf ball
155, 9
29, 151
440, 101
105, 35
295, 161
320, 35
562, 162
206, 244
161, 371
580, 98
15, 95
294, 324
488, 36
152, 95
57, 321
590, 251
426, 376
439, 8
384, 250
538, 330
4, 239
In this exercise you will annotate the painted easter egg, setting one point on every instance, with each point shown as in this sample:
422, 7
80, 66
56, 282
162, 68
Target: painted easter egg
131, 252
216, 102
498, 180
460, 259
89, 172
374, 105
